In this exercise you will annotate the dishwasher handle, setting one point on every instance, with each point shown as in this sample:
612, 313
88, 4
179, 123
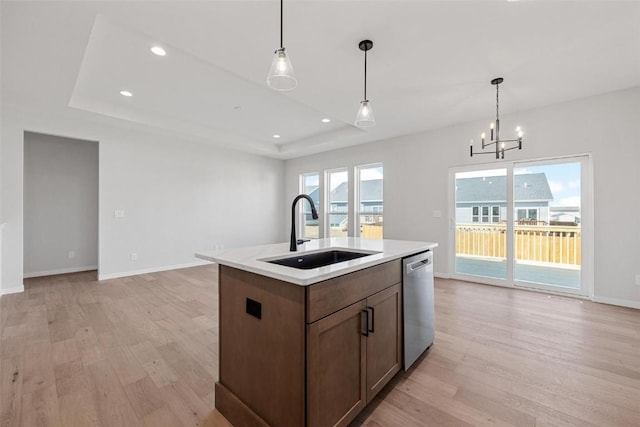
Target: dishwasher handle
417, 265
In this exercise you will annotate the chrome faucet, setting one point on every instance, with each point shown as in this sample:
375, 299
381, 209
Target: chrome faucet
295, 242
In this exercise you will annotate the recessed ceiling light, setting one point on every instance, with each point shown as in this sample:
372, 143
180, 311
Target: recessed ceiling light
158, 51
125, 93
326, 120
275, 135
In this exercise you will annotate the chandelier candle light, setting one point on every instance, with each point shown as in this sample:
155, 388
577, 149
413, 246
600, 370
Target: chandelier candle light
501, 144
281, 75
365, 113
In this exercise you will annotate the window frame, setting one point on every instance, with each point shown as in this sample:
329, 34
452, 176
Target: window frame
375, 210
328, 208
303, 209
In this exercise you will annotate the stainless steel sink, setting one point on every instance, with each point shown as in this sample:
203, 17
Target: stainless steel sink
319, 259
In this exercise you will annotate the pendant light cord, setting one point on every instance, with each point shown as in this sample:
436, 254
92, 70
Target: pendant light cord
365, 75
281, 43
497, 103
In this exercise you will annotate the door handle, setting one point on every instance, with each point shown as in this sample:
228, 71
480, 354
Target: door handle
366, 324
373, 319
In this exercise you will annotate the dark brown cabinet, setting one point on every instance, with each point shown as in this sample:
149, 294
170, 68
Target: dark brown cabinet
351, 355
384, 340
336, 377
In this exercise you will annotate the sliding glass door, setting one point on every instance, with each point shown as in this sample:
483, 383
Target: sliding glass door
526, 224
548, 233
481, 220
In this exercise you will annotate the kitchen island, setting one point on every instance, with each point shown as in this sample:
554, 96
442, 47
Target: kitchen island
308, 346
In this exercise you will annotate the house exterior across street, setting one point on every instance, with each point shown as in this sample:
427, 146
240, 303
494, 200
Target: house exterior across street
483, 199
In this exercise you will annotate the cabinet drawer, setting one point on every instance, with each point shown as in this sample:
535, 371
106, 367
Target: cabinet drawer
332, 295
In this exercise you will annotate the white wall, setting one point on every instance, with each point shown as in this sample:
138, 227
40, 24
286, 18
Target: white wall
60, 204
179, 197
416, 174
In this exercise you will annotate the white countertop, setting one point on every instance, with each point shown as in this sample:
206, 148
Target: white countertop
252, 258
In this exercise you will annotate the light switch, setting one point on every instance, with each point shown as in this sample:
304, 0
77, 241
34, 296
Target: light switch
118, 213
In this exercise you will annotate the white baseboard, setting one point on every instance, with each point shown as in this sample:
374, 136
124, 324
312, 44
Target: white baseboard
60, 271
151, 270
617, 301
14, 290
442, 275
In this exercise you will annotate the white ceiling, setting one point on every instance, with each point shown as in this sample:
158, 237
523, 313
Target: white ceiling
430, 66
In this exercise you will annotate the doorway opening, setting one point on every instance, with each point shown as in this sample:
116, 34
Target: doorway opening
60, 205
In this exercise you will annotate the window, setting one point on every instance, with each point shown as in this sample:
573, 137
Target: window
310, 185
341, 199
485, 214
495, 214
528, 214
337, 203
490, 214
370, 200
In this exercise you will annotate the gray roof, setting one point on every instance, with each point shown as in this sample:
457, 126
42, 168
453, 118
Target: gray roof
315, 195
528, 187
370, 190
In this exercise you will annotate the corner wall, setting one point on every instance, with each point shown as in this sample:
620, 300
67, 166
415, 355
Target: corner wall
416, 174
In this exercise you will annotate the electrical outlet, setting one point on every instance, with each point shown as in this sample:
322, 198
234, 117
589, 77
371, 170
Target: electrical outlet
118, 213
134, 256
437, 214
72, 254
637, 279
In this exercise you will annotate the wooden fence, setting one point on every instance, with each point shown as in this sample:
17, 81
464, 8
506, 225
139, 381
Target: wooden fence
371, 231
539, 243
367, 231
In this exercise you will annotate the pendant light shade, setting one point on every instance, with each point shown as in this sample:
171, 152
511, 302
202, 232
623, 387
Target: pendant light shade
281, 75
365, 117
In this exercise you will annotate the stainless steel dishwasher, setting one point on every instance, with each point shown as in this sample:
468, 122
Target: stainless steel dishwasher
418, 304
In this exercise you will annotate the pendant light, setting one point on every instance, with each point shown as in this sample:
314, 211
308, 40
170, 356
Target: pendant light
281, 75
501, 145
365, 117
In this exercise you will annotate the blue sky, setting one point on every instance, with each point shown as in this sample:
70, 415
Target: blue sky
564, 182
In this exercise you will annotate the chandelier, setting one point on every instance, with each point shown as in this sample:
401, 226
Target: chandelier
501, 145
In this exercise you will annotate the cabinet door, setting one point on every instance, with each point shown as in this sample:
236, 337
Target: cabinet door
384, 353
336, 377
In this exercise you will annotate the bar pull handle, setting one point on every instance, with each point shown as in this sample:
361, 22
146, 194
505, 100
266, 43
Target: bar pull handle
366, 323
418, 265
373, 319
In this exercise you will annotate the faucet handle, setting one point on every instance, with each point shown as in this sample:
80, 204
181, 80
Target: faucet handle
301, 241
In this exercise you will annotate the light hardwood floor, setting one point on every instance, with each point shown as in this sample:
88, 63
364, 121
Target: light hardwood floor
142, 351
137, 351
